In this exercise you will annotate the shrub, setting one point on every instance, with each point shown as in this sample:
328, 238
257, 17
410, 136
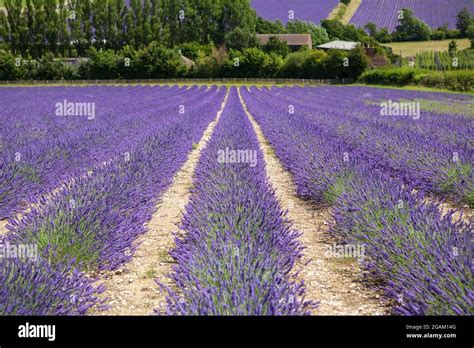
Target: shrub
390, 76
438, 35
458, 80
8, 69
276, 46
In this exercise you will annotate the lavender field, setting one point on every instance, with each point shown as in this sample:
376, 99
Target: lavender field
303, 10
215, 200
435, 13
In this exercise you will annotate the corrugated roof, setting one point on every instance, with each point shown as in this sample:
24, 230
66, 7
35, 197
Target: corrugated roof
290, 39
339, 45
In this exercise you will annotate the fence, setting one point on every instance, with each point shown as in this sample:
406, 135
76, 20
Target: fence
185, 81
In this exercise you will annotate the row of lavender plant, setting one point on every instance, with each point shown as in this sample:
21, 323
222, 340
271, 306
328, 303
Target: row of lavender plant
422, 257
67, 147
93, 223
385, 14
440, 164
363, 103
237, 248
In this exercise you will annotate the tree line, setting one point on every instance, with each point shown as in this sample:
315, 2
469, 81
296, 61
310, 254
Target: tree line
69, 28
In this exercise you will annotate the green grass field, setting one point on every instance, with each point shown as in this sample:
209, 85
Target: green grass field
410, 49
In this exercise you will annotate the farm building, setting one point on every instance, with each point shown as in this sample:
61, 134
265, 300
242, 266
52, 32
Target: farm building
294, 41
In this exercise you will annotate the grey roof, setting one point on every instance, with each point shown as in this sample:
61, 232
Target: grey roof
339, 45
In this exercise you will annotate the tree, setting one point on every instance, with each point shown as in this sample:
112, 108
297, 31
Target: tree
157, 61
104, 64
264, 26
251, 62
3, 27
239, 39
470, 34
318, 34
8, 68
383, 36
452, 48
17, 24
463, 20
99, 22
254, 63
293, 64
338, 31
411, 28
358, 62
371, 28
313, 66
334, 65
274, 45
234, 14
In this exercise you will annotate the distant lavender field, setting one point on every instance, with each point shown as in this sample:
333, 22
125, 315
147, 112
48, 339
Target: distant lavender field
304, 10
435, 13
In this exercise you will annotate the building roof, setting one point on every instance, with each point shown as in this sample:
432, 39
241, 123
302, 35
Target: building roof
290, 39
339, 45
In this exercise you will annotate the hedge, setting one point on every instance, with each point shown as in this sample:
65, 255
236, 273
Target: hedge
458, 80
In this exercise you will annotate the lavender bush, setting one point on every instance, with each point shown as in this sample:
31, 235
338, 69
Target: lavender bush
422, 257
237, 250
41, 150
93, 222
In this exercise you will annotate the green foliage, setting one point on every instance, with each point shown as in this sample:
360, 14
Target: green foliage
50, 69
346, 2
339, 31
411, 28
445, 33
317, 64
438, 35
318, 34
251, 62
470, 34
194, 50
463, 21
157, 61
239, 39
390, 76
268, 27
276, 46
42, 25
8, 68
381, 35
358, 63
459, 80
301, 64
452, 48
103, 64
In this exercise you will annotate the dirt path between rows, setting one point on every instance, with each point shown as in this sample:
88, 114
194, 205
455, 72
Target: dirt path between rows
132, 290
3, 228
336, 283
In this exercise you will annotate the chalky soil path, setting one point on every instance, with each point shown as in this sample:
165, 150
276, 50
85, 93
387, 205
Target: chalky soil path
336, 283
3, 229
132, 290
